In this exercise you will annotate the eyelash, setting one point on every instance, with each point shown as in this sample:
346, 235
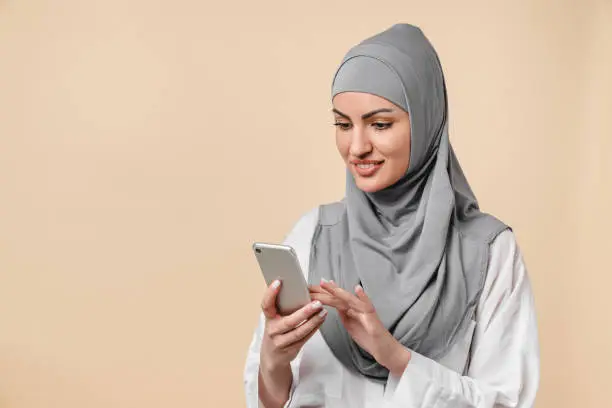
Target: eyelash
377, 125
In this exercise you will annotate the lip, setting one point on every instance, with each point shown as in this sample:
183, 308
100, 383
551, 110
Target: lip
369, 171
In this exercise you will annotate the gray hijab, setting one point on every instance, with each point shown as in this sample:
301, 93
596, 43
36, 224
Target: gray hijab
420, 247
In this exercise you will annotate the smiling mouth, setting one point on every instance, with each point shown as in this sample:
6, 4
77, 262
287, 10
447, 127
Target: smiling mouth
367, 168
365, 164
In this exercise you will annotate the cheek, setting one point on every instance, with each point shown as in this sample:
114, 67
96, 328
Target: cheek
397, 153
404, 156
343, 145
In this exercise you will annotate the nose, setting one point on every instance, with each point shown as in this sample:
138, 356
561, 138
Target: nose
360, 143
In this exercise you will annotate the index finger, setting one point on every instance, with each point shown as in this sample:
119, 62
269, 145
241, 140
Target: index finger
353, 301
294, 320
317, 289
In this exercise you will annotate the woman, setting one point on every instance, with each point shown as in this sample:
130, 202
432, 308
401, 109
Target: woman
419, 298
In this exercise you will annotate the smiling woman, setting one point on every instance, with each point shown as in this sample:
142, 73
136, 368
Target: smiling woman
420, 299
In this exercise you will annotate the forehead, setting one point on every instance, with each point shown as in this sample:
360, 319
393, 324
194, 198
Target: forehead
360, 102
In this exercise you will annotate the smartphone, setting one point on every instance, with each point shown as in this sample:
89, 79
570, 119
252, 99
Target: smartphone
281, 262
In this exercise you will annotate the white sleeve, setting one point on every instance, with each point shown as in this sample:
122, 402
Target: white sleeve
504, 370
298, 238
251, 370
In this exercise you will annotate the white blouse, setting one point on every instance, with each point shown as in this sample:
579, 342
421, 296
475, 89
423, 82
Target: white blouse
496, 365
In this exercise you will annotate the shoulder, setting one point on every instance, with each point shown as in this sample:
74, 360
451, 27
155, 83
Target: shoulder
324, 214
300, 237
504, 247
330, 214
304, 227
480, 227
506, 271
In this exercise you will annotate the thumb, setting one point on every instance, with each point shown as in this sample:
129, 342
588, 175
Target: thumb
268, 303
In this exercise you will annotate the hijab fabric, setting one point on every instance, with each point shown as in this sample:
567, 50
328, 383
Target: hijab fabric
419, 248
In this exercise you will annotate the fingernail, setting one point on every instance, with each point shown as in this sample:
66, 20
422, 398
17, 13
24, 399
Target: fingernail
323, 280
358, 287
275, 284
322, 313
316, 304
332, 281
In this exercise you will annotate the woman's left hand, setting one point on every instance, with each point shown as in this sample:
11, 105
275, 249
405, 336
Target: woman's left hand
361, 321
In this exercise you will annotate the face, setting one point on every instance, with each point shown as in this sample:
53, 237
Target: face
373, 138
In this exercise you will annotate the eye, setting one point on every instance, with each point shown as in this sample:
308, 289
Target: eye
382, 125
343, 125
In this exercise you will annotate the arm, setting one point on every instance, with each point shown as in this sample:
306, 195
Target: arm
504, 368
275, 386
266, 387
272, 362
268, 384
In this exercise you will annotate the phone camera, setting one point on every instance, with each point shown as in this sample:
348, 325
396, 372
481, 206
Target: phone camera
258, 250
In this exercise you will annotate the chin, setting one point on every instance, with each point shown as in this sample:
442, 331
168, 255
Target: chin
369, 185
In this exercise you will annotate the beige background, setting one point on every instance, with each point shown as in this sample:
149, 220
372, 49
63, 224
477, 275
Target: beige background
145, 145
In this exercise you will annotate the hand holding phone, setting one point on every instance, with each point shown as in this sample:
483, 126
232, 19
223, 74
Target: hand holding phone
291, 318
282, 339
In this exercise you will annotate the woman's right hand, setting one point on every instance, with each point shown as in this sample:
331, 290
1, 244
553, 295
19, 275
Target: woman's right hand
284, 336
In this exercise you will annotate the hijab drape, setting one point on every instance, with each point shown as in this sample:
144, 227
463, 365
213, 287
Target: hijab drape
420, 247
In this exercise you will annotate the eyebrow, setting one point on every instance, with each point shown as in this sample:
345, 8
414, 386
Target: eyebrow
365, 115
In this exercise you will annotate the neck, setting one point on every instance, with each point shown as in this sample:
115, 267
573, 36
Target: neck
402, 197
